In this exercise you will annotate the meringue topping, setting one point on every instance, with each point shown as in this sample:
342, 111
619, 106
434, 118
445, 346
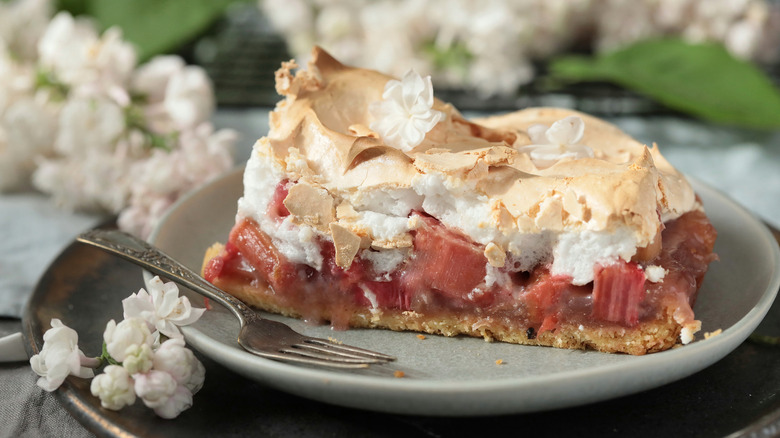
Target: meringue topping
534, 192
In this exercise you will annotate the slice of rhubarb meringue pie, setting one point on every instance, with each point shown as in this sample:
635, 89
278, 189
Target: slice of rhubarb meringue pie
372, 204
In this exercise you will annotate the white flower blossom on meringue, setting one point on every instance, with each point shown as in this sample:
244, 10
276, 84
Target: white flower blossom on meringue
60, 357
122, 339
552, 144
162, 308
405, 113
114, 388
180, 362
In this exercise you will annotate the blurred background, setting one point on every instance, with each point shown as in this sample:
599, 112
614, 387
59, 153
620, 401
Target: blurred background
498, 54
483, 55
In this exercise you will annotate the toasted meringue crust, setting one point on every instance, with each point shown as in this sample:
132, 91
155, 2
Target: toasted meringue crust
319, 136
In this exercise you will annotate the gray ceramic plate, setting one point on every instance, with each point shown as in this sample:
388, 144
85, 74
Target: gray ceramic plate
459, 376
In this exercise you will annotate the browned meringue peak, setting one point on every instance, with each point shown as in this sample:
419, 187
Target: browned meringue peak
593, 195
323, 123
610, 145
325, 116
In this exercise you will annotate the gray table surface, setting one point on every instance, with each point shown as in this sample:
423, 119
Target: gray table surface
743, 164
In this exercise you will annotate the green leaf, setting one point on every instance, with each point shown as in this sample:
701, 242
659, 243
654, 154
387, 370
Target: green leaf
701, 79
157, 26
75, 7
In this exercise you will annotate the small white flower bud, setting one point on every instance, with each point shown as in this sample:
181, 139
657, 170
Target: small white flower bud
121, 337
114, 388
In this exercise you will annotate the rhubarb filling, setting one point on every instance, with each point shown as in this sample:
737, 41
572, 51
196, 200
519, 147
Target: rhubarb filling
446, 276
372, 204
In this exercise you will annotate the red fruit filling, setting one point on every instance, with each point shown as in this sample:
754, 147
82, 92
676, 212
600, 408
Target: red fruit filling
446, 275
618, 290
444, 261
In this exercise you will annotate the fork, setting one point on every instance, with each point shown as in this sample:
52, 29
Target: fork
259, 336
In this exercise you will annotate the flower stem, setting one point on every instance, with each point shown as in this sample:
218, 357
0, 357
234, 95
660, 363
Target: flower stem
105, 357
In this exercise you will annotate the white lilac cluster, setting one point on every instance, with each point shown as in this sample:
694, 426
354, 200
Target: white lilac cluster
489, 45
163, 373
405, 113
83, 122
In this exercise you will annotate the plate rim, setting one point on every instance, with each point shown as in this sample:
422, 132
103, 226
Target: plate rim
696, 352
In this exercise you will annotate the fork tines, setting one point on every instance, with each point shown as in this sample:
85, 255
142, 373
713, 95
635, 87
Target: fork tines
336, 354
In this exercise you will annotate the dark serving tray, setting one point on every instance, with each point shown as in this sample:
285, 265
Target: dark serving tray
737, 396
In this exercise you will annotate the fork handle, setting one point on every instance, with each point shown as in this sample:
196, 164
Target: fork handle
152, 259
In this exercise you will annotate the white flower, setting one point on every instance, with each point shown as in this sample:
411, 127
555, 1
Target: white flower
559, 141
159, 391
493, 78
143, 213
155, 387
89, 125
21, 24
151, 79
294, 18
178, 402
138, 358
64, 38
60, 357
406, 112
72, 49
161, 308
201, 155
114, 388
122, 338
30, 125
92, 168
97, 181
161, 173
189, 99
178, 361
206, 153
27, 130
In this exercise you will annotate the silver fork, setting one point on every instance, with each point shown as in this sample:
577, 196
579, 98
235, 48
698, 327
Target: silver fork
260, 336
